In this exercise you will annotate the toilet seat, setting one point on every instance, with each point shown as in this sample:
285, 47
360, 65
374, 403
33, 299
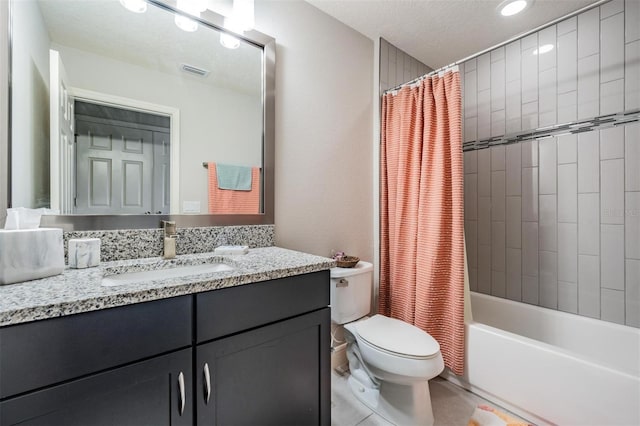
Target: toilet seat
397, 338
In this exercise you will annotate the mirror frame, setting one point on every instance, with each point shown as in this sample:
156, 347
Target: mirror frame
109, 222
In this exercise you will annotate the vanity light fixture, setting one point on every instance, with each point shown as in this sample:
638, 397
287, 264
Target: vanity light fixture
513, 7
241, 19
226, 39
242, 16
545, 48
192, 7
136, 6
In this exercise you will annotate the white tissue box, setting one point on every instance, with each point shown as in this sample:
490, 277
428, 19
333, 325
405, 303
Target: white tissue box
84, 252
29, 254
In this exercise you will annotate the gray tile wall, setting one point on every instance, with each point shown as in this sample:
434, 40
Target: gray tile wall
556, 222
592, 69
397, 67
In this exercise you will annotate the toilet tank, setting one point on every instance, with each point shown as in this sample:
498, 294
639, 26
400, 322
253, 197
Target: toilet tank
351, 292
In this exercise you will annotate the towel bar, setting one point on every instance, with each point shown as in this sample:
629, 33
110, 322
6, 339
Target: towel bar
206, 165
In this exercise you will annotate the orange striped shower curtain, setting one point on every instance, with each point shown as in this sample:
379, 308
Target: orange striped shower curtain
421, 212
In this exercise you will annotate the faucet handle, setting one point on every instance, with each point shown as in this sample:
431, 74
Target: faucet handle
169, 228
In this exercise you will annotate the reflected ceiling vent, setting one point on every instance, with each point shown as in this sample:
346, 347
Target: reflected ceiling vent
194, 70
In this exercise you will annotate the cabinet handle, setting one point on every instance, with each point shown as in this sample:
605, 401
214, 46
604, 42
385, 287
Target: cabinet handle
207, 383
181, 387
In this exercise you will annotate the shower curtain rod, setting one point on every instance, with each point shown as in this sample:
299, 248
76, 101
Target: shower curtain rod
504, 43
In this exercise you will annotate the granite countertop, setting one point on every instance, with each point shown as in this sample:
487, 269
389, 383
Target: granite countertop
80, 290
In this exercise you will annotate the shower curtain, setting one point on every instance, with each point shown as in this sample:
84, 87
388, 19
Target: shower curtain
421, 212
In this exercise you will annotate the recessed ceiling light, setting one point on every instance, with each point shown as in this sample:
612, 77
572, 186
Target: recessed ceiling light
513, 7
543, 49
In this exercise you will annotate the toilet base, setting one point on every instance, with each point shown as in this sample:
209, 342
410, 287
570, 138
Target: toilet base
401, 405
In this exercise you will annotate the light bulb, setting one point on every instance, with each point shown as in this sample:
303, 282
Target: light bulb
137, 6
186, 24
192, 7
229, 41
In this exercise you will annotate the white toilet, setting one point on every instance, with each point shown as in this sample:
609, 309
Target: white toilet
391, 361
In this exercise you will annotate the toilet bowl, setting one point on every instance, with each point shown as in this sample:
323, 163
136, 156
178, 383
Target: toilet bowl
390, 361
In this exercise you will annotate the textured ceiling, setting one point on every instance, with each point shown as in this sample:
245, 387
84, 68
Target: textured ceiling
152, 40
439, 32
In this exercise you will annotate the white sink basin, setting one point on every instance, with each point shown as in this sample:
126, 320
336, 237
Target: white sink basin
157, 274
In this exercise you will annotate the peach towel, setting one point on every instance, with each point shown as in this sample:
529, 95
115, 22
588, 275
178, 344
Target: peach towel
223, 201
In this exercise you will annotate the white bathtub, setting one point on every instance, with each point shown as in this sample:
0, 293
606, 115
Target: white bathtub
552, 367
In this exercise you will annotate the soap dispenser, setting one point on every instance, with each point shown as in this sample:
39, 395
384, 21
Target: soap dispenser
170, 236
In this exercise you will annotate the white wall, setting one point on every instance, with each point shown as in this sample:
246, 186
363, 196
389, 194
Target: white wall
324, 101
215, 124
30, 107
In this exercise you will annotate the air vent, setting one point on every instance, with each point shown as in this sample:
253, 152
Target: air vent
194, 70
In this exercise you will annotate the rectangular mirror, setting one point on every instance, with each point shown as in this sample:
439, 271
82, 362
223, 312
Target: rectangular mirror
155, 112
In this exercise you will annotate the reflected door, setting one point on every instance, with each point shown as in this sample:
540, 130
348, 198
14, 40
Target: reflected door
161, 172
114, 169
61, 135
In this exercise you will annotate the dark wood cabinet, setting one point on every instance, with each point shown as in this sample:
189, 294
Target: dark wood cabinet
42, 353
154, 392
273, 375
266, 348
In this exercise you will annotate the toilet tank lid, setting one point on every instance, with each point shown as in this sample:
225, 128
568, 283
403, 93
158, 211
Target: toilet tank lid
360, 268
397, 336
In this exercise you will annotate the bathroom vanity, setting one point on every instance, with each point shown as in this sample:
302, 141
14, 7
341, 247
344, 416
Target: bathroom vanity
247, 346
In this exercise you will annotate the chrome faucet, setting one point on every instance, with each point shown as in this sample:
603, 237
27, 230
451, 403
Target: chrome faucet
170, 236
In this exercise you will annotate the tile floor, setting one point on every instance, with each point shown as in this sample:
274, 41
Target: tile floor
452, 405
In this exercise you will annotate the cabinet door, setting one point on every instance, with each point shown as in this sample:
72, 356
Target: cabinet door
273, 375
144, 393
